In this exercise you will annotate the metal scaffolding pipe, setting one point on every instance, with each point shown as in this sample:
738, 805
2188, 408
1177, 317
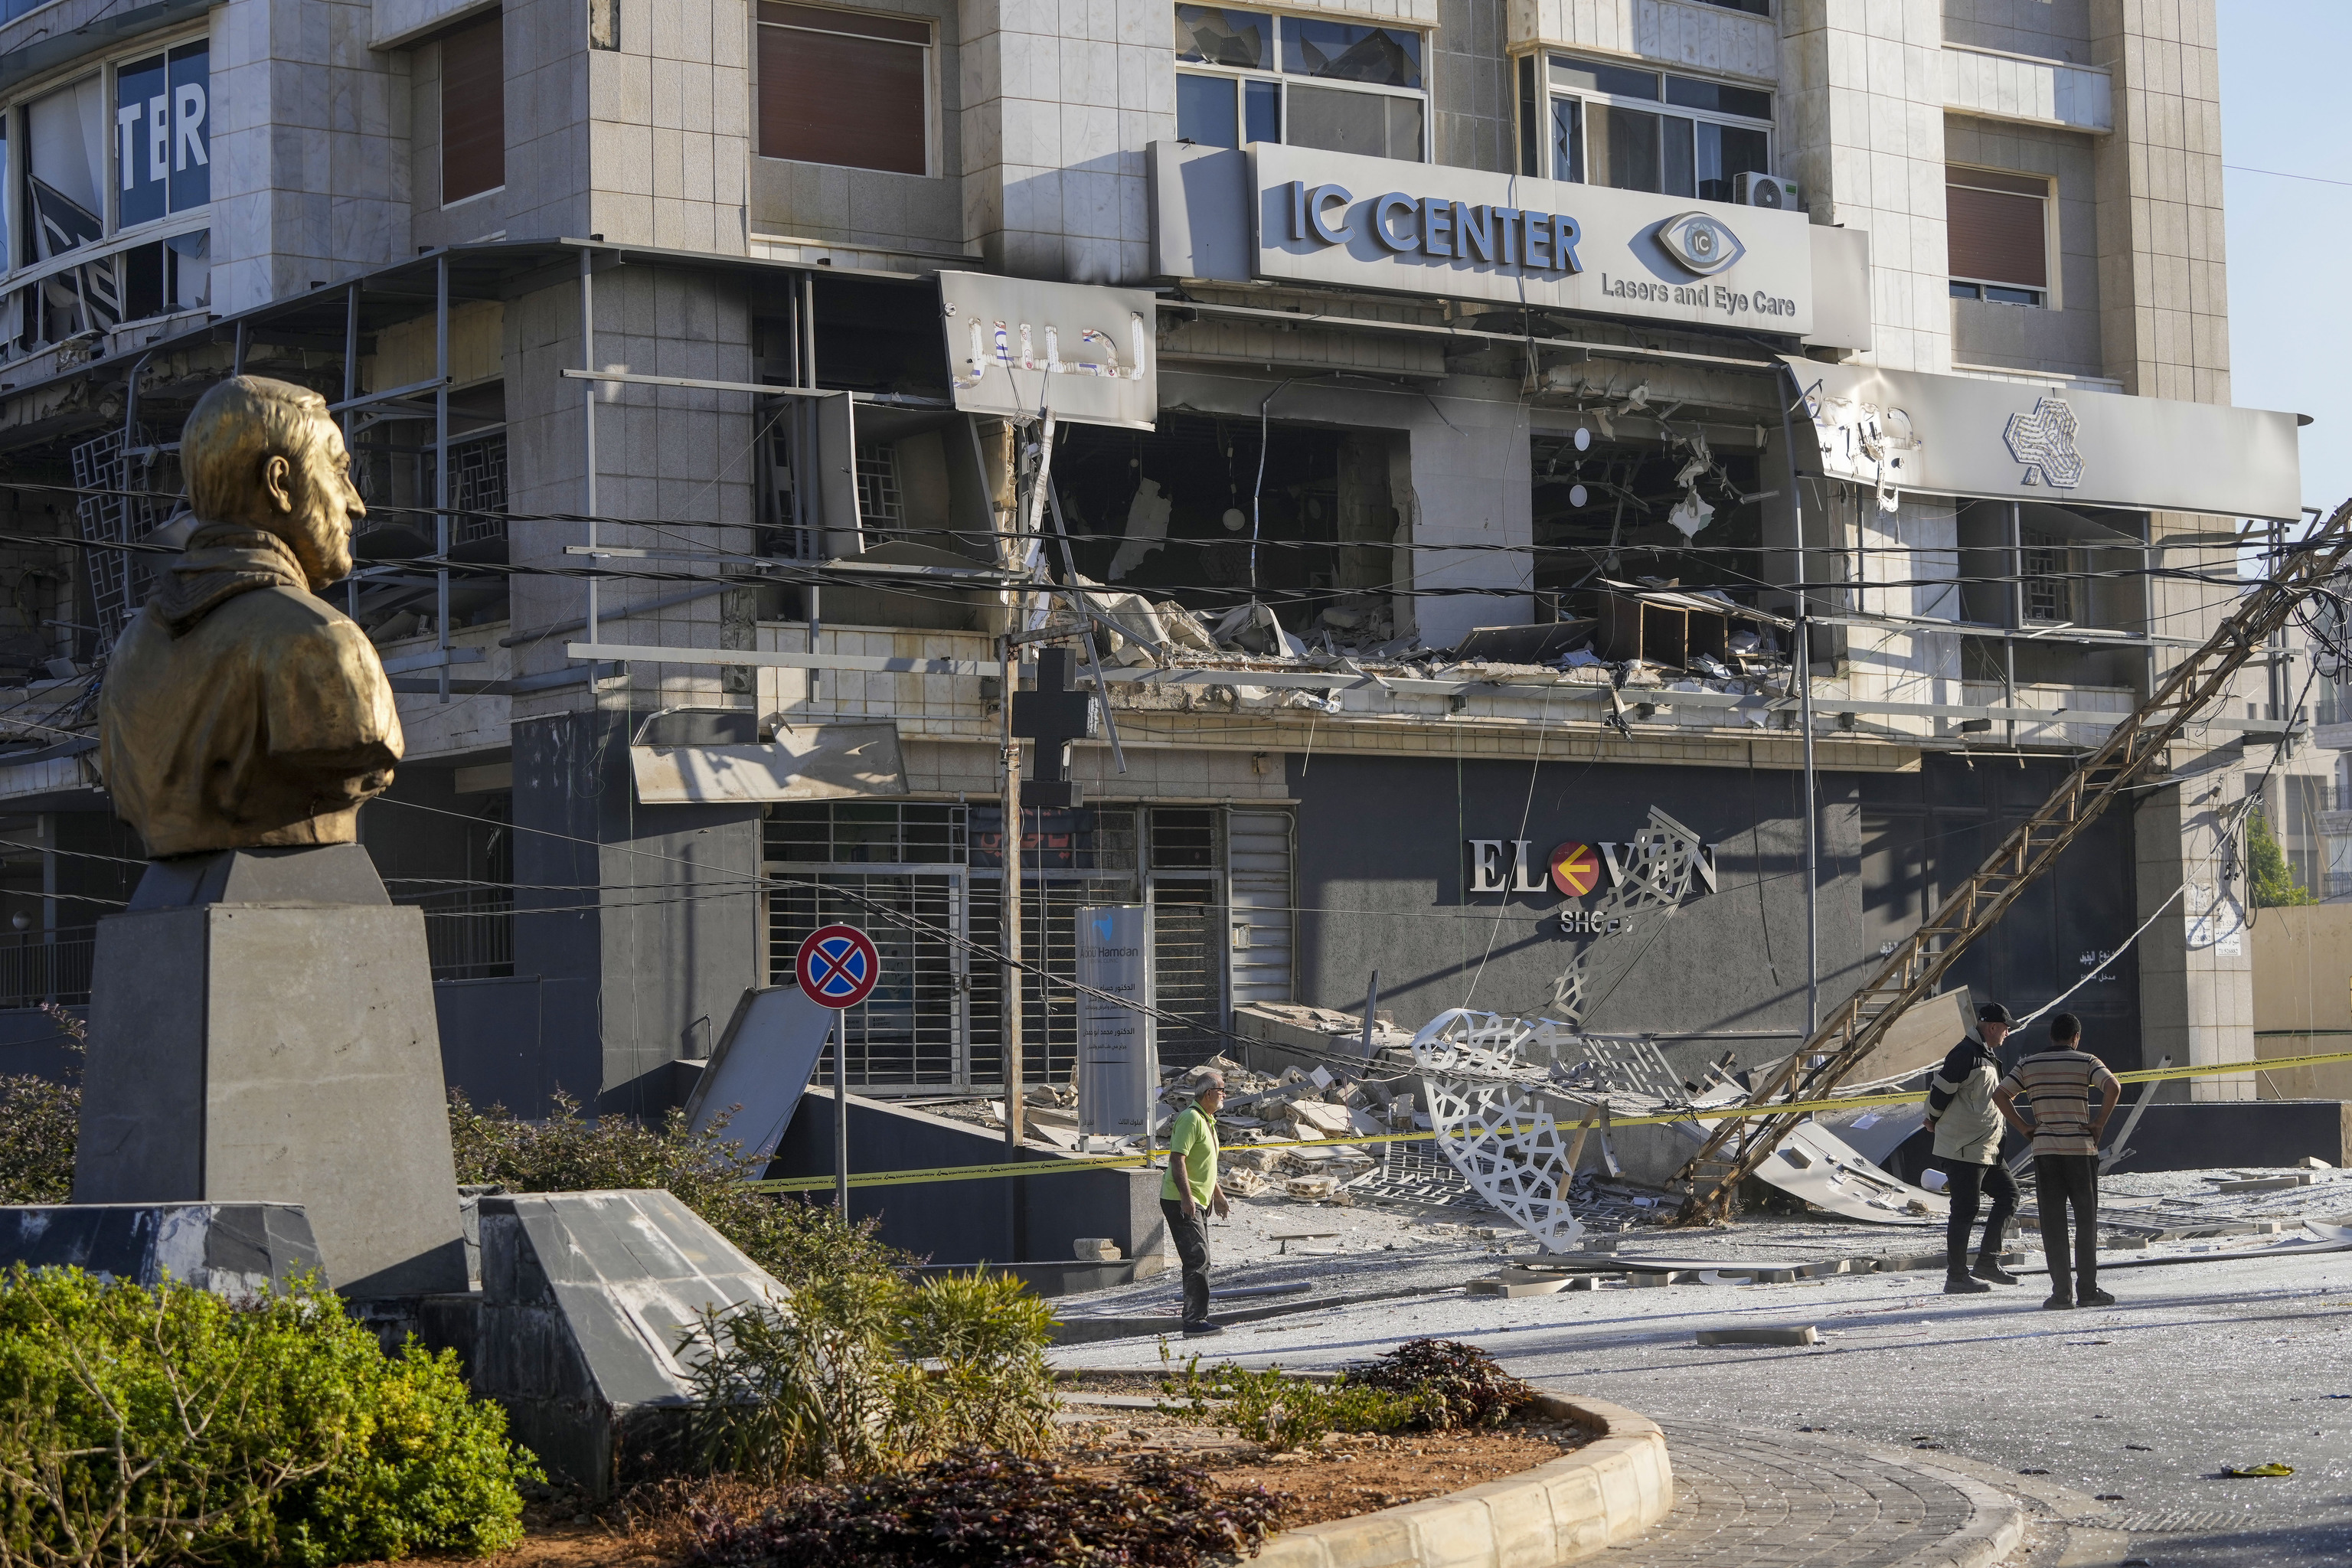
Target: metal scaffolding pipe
441, 465
588, 469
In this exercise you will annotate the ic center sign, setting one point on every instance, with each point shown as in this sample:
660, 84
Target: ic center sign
1379, 223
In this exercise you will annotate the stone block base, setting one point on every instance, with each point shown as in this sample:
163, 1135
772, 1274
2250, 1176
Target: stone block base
231, 1250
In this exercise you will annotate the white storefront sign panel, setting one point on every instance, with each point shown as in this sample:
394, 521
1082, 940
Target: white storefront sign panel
1019, 347
1959, 436
1422, 228
1298, 215
808, 761
1118, 1070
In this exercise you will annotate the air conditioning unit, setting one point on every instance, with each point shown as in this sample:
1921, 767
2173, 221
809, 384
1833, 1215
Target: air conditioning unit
1766, 190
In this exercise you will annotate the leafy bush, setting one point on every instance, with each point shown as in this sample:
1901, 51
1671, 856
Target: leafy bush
802, 1385
705, 1171
141, 1425
790, 1239
996, 1510
1277, 1411
986, 1336
1457, 1384
1425, 1386
39, 1124
831, 1380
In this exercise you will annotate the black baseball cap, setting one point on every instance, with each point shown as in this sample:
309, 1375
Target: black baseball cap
1993, 1012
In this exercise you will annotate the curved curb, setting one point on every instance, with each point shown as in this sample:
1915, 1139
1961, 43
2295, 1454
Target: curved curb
1996, 1525
1611, 1490
2057, 1508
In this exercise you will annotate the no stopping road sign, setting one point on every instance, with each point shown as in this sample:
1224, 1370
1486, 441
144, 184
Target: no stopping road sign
838, 967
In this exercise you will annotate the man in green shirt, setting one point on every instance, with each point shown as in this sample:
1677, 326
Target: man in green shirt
1193, 1146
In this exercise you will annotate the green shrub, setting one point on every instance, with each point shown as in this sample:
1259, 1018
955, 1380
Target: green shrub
1425, 1386
138, 1426
1458, 1384
985, 1337
38, 1122
794, 1241
854, 1372
805, 1384
1277, 1411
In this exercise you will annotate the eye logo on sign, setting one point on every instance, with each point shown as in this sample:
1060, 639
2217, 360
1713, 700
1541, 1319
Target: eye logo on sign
1703, 245
837, 966
2043, 441
1575, 870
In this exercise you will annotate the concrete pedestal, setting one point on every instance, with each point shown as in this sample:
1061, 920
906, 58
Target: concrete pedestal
238, 1250
262, 1031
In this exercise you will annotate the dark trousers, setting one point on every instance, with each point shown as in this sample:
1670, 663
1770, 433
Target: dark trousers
1191, 1234
2060, 1180
1963, 1183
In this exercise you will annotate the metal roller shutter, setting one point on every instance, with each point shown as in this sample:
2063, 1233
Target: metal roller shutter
1258, 857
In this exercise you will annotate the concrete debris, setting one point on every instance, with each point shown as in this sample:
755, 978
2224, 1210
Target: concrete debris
1512, 1284
1804, 1336
1282, 1239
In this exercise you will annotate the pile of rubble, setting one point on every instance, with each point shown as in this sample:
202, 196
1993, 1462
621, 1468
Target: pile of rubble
1302, 1107
1735, 650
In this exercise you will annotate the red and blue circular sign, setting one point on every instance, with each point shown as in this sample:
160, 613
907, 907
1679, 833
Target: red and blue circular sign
838, 967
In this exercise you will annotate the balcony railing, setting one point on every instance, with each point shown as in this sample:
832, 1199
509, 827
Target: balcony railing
469, 933
36, 968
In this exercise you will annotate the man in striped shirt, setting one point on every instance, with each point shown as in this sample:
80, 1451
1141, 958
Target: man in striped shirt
2056, 1085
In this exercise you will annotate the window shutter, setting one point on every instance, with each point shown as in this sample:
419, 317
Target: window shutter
836, 87
1997, 226
473, 110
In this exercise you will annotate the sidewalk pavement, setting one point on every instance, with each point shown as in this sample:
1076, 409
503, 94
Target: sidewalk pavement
1773, 1501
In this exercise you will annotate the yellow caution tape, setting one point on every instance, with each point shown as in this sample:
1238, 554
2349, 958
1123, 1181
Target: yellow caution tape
1047, 1166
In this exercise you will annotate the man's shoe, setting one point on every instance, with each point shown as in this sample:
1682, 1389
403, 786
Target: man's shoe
1194, 1330
1961, 1285
2062, 1302
1990, 1268
2096, 1297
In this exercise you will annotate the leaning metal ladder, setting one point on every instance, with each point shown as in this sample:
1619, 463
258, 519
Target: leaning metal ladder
1909, 975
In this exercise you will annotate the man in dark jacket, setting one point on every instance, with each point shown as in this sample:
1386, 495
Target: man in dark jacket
1968, 1125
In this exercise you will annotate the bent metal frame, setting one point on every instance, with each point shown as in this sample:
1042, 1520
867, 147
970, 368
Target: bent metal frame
1910, 973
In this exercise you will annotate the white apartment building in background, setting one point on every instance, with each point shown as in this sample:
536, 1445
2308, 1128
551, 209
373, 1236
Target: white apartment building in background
1523, 358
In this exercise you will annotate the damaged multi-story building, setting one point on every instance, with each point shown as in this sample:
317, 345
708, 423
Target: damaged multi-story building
1477, 425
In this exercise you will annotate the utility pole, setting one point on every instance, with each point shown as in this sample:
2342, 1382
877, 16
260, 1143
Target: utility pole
1008, 933
1801, 664
1023, 719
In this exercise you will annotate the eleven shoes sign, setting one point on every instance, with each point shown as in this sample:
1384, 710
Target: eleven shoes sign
1572, 870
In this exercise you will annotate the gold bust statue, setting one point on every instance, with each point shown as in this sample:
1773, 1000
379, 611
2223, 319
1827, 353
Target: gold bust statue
239, 710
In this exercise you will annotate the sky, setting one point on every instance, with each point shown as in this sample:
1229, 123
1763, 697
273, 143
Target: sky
2290, 325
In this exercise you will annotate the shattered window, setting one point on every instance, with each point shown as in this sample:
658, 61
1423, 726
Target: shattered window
1167, 513
65, 198
1636, 511
2045, 567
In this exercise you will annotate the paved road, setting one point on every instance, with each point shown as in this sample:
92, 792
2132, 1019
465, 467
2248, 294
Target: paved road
2197, 1367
